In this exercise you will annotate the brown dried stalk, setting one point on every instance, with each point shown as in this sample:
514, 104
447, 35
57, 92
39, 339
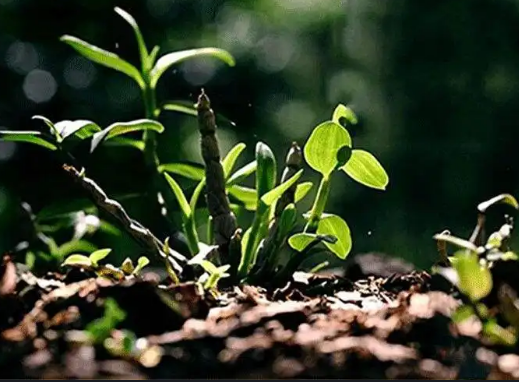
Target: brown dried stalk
224, 221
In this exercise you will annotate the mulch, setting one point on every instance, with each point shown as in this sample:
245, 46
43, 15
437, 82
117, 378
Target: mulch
361, 324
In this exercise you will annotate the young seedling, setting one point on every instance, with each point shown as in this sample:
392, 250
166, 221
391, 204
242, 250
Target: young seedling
91, 263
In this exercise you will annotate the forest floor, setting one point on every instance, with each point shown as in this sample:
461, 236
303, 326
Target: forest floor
362, 324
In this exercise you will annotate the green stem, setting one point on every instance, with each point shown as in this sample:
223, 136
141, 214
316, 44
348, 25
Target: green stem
192, 237
320, 202
247, 260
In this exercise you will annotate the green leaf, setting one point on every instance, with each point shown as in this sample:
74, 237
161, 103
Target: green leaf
180, 107
300, 241
124, 141
503, 198
187, 170
230, 159
245, 239
96, 256
28, 137
462, 243
141, 263
335, 226
266, 169
345, 112
499, 335
120, 128
196, 195
80, 128
152, 57
462, 313
127, 266
143, 51
181, 198
54, 131
365, 169
287, 221
173, 58
104, 57
302, 190
74, 246
246, 195
474, 280
242, 173
77, 260
273, 195
323, 145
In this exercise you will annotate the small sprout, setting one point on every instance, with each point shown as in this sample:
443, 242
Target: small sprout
141, 263
110, 272
503, 198
127, 266
78, 261
99, 255
215, 274
100, 329
475, 280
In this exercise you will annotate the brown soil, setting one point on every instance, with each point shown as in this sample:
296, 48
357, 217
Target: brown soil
324, 326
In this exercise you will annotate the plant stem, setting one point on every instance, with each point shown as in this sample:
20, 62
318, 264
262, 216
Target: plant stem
320, 202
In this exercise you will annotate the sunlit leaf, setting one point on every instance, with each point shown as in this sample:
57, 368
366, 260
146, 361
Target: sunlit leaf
181, 198
474, 280
77, 260
187, 170
499, 335
335, 226
104, 57
128, 142
266, 172
323, 145
302, 190
96, 256
166, 61
503, 198
27, 137
80, 128
366, 169
120, 128
74, 246
230, 159
345, 112
54, 131
196, 195
143, 51
141, 263
242, 173
152, 57
273, 195
188, 108
300, 241
246, 195
127, 266
287, 220
462, 313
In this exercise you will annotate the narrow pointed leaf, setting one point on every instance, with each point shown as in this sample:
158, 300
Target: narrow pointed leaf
104, 57
503, 198
302, 190
242, 173
345, 112
127, 142
266, 172
143, 51
173, 58
323, 145
335, 226
54, 131
187, 170
230, 159
99, 255
120, 128
152, 57
246, 195
461, 243
273, 195
80, 128
364, 168
189, 108
28, 137
196, 195
179, 194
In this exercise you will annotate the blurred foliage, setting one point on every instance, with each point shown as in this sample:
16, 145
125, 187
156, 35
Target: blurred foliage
434, 84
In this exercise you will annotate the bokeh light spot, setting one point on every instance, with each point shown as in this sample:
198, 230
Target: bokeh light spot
21, 57
79, 72
39, 86
7, 149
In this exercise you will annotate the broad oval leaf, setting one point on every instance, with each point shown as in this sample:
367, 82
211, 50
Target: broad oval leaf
248, 196
366, 169
143, 51
77, 260
475, 281
99, 255
230, 159
181, 198
462, 243
120, 128
345, 112
323, 145
187, 170
80, 128
27, 137
300, 241
170, 59
104, 57
242, 173
335, 226
266, 172
141, 263
273, 195
302, 189
503, 198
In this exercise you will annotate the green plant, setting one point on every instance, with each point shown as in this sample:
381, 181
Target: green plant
99, 330
469, 269
91, 263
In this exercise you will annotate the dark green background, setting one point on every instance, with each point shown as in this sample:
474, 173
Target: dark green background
434, 83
